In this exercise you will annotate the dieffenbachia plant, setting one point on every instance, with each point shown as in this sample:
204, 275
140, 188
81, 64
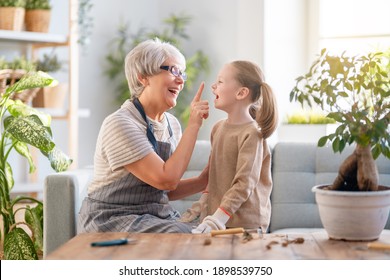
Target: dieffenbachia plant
23, 126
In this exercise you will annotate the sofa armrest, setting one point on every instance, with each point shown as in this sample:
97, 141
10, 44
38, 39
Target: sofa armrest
62, 196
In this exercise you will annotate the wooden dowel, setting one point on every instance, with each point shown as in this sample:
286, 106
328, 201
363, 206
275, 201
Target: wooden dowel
227, 231
378, 245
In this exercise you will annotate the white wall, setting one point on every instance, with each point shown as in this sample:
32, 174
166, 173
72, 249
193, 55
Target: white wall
285, 47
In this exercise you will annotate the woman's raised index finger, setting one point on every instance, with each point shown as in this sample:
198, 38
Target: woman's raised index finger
198, 95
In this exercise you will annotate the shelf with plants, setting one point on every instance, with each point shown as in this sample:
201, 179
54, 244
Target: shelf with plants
33, 37
32, 45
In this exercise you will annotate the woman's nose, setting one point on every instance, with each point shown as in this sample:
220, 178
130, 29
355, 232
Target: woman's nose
179, 80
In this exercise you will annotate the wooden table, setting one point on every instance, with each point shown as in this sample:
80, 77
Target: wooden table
223, 247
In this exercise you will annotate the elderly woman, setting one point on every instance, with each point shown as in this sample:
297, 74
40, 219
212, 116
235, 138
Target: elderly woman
141, 153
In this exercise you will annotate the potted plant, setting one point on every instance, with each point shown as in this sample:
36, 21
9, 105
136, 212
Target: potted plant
305, 126
355, 92
38, 14
22, 126
50, 97
12, 71
12, 14
174, 33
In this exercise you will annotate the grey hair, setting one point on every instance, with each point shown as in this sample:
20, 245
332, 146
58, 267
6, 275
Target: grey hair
145, 60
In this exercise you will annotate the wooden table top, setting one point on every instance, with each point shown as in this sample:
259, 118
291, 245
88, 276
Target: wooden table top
172, 246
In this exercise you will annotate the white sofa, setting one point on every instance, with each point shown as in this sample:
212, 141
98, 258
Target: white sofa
296, 167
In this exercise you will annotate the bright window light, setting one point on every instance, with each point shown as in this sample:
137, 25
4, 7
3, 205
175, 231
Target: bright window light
354, 26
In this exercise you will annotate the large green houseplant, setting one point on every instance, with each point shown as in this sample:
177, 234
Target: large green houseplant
174, 32
22, 126
355, 91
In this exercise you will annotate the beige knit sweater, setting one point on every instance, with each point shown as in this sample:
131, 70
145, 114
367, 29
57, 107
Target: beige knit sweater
240, 175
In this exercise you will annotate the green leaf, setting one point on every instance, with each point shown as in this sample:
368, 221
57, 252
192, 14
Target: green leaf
19, 109
23, 150
31, 80
19, 246
59, 161
31, 131
336, 145
342, 145
322, 141
9, 175
338, 117
376, 151
34, 217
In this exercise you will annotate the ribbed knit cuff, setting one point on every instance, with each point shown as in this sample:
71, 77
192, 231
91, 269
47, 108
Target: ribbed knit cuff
221, 215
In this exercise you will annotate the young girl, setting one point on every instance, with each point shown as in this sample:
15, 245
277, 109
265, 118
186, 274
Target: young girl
240, 183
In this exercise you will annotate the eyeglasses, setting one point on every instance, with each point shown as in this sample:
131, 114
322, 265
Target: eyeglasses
175, 71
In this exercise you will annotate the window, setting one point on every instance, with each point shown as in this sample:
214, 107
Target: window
353, 26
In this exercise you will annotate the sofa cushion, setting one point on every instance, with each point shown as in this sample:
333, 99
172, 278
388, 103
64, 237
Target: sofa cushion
198, 162
296, 168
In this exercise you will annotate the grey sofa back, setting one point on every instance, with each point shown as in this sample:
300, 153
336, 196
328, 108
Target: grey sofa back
296, 168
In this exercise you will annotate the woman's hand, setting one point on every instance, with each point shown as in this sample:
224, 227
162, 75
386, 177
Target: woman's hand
199, 108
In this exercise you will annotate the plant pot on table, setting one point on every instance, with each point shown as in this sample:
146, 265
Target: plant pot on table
353, 215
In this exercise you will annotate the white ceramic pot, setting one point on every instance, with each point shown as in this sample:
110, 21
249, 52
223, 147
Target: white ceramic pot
353, 216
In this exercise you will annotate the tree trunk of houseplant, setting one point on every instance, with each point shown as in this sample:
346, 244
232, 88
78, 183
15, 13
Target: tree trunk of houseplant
358, 172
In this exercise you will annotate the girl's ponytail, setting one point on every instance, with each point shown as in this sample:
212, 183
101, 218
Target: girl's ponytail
267, 115
264, 106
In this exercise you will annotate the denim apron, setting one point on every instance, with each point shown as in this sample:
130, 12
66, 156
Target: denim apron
131, 205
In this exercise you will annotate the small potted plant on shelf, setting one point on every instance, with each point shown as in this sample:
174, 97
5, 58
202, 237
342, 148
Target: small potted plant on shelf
22, 126
50, 97
12, 14
355, 92
12, 71
38, 13
305, 126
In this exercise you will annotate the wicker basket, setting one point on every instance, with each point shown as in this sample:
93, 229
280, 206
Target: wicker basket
9, 77
37, 20
12, 18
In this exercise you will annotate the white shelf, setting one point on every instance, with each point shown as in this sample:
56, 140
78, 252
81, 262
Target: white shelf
58, 113
32, 37
34, 190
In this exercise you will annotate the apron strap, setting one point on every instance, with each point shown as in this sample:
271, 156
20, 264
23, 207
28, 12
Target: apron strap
149, 126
